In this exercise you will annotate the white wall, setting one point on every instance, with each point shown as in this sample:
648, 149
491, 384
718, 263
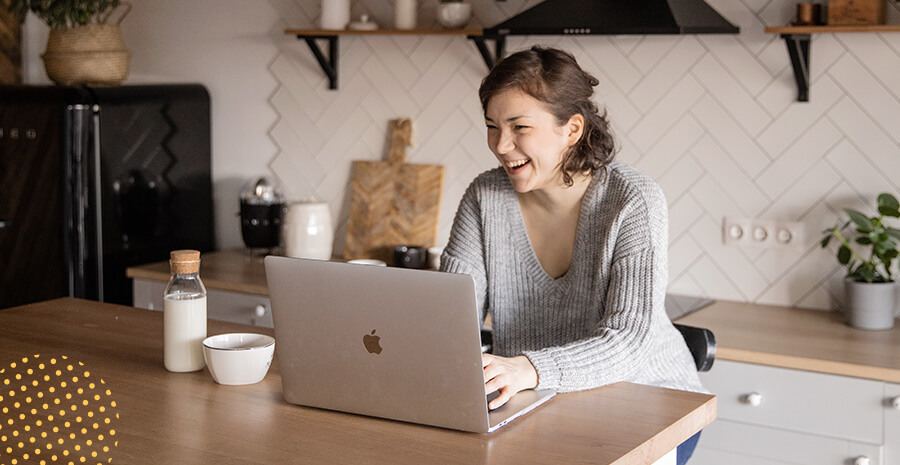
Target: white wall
712, 118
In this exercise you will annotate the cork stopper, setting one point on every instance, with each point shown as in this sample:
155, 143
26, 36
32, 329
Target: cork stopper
184, 261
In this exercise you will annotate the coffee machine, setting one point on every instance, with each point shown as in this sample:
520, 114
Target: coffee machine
262, 211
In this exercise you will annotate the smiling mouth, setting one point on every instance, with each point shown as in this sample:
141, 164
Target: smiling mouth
517, 164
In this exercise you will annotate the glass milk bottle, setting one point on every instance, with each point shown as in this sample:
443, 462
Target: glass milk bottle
184, 314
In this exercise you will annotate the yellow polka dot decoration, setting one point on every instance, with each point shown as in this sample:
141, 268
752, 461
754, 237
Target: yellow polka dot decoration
53, 410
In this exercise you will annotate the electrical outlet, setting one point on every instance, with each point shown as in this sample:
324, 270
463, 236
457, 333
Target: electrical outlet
745, 232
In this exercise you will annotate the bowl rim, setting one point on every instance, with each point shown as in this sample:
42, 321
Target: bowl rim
270, 341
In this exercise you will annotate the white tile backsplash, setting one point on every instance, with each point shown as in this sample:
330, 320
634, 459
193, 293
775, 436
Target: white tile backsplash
712, 118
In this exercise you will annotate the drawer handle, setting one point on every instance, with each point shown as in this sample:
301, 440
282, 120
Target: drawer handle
754, 399
895, 402
862, 460
260, 311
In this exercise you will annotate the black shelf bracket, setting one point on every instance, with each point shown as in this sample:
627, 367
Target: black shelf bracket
490, 59
798, 50
329, 64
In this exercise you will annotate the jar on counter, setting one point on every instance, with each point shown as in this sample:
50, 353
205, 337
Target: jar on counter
184, 314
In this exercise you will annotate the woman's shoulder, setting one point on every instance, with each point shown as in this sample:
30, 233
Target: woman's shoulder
631, 185
494, 180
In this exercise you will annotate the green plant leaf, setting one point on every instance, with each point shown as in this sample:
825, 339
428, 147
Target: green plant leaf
888, 205
863, 223
843, 255
894, 233
826, 239
864, 240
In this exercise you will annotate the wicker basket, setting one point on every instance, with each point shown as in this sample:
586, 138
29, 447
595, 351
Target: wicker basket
93, 55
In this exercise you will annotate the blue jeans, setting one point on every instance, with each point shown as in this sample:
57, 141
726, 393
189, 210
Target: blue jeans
686, 449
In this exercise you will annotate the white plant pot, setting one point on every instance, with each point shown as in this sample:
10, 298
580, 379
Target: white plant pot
870, 305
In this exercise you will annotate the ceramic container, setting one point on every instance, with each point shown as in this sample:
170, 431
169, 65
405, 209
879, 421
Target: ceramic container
870, 305
335, 14
454, 15
405, 14
238, 358
307, 231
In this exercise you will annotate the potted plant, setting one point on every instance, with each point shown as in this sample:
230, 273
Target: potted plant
454, 14
84, 45
869, 283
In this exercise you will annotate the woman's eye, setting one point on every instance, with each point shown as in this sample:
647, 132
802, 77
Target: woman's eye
491, 126
520, 127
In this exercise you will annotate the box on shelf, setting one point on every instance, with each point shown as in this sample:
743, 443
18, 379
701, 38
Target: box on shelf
851, 12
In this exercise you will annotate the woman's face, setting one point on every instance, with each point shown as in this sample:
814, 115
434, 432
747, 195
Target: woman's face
527, 141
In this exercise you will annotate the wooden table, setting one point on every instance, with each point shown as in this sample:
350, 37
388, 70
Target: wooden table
186, 418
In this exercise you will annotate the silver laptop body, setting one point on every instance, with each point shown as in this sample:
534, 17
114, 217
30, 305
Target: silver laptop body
385, 342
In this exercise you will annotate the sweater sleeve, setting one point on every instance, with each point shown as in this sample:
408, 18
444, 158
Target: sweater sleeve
464, 253
620, 344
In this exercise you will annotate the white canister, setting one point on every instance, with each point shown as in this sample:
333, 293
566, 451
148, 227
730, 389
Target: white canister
335, 14
405, 14
307, 230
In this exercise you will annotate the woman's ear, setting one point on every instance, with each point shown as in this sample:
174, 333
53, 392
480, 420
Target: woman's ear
575, 128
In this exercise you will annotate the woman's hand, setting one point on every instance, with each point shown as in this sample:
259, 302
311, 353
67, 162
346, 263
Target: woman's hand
508, 375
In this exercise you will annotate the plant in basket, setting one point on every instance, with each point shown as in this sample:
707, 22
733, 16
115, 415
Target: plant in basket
85, 44
868, 251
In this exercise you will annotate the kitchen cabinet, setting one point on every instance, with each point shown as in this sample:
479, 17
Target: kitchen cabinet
782, 416
236, 307
235, 283
891, 407
799, 387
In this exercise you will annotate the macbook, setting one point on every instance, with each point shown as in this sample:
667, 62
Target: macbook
385, 342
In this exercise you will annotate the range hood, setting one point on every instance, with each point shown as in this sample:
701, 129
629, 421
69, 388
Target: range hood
616, 17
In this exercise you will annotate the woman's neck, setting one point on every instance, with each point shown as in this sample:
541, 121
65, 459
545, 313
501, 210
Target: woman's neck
559, 197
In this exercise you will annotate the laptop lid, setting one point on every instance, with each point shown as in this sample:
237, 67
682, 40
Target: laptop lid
385, 342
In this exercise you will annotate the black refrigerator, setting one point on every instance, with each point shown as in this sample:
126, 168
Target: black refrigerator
94, 180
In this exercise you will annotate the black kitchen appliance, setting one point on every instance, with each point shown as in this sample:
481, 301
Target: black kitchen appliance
262, 209
94, 180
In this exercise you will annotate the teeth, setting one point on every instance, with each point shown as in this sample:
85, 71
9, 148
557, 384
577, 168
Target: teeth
516, 164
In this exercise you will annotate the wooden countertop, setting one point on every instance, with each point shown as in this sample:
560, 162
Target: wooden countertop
811, 340
186, 418
769, 335
228, 270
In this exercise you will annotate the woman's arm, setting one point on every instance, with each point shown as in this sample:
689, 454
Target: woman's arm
464, 253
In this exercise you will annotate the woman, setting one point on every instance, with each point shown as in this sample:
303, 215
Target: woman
568, 248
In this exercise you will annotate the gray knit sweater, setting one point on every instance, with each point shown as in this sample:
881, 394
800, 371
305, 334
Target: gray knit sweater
604, 320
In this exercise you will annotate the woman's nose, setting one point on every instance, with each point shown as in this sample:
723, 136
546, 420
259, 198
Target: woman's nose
505, 143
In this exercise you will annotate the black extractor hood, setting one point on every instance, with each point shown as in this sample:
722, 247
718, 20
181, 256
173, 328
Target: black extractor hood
616, 17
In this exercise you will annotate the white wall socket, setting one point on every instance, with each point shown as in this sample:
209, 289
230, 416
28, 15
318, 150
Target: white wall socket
762, 233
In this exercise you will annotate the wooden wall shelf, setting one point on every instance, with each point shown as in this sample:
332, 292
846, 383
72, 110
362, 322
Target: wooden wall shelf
329, 63
798, 38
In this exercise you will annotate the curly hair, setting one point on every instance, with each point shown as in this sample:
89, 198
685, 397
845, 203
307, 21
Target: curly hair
554, 78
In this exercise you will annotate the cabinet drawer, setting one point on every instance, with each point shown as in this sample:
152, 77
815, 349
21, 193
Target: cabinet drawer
891, 424
237, 307
829, 405
733, 443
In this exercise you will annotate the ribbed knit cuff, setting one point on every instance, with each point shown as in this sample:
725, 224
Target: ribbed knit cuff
549, 374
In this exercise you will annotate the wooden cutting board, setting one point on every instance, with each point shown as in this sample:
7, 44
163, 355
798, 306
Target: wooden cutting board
393, 202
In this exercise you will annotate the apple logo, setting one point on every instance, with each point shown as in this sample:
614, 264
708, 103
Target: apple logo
371, 343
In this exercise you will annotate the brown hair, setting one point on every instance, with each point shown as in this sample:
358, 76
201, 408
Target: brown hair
554, 78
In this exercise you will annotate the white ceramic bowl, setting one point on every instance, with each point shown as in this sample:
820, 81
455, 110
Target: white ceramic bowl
454, 15
238, 358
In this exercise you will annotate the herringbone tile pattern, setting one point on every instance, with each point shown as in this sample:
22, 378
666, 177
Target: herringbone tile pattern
712, 118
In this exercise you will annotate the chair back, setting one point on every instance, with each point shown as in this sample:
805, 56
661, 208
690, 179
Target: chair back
702, 344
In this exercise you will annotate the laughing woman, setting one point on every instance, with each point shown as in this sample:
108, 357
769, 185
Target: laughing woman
567, 247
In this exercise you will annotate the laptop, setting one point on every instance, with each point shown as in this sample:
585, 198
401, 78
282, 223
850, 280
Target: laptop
385, 342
